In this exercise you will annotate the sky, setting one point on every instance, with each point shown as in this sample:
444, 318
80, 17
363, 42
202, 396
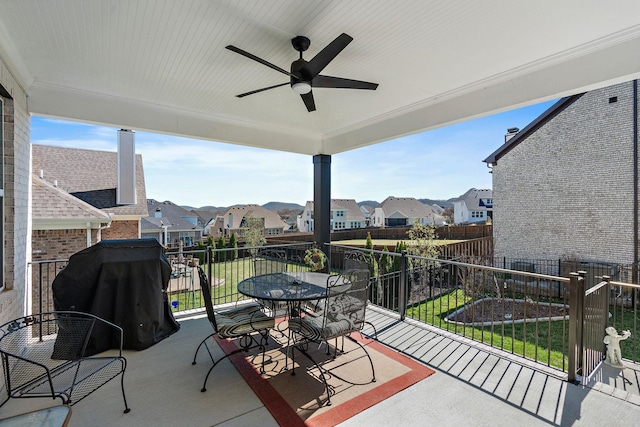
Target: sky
438, 164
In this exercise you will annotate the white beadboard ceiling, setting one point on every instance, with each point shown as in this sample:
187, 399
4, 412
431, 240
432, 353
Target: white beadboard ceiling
161, 65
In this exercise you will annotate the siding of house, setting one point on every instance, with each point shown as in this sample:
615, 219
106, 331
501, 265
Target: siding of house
567, 188
16, 126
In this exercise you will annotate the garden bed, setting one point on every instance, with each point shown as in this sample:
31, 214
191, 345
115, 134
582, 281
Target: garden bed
491, 311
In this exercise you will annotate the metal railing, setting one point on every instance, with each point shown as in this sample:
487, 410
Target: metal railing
542, 317
607, 304
40, 299
224, 268
518, 312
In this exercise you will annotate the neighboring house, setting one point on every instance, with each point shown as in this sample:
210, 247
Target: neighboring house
234, 220
564, 186
404, 211
205, 216
75, 199
345, 215
473, 206
171, 224
367, 211
62, 223
438, 208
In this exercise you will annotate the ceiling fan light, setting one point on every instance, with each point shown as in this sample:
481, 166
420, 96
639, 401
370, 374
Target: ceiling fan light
301, 87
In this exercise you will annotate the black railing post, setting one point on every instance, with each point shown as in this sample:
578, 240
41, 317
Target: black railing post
576, 308
209, 262
559, 274
326, 248
402, 291
40, 290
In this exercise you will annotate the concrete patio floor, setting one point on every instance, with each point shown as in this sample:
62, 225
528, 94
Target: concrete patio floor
473, 385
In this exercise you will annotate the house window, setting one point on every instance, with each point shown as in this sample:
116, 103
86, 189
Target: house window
477, 214
187, 237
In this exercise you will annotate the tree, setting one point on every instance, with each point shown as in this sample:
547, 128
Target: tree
369, 243
386, 263
221, 245
254, 233
448, 215
211, 242
233, 243
201, 254
423, 240
422, 245
400, 246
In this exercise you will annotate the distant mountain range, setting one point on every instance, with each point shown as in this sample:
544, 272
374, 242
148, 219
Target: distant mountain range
280, 206
442, 203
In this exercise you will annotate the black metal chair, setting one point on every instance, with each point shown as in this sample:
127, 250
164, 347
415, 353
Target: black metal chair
271, 261
45, 355
343, 313
241, 322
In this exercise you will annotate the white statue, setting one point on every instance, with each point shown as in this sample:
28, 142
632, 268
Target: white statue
612, 340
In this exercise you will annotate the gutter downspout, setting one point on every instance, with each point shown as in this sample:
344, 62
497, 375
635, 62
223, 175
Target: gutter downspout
98, 228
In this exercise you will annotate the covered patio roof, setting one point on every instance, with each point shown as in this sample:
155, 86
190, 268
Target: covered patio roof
162, 66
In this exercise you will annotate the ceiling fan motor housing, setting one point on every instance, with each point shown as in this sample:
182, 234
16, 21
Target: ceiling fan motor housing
298, 69
300, 43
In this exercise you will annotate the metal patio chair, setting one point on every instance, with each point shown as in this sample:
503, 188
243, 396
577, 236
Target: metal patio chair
242, 323
45, 355
271, 261
343, 313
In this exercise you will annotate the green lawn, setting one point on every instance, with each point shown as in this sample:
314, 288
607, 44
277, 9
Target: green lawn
226, 276
545, 345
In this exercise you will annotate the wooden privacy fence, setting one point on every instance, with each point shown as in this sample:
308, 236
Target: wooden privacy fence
457, 232
482, 247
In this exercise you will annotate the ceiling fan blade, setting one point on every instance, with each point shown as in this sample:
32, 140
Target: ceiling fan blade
260, 60
340, 83
326, 55
308, 101
242, 95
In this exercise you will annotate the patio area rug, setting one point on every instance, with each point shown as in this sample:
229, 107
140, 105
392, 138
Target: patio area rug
300, 400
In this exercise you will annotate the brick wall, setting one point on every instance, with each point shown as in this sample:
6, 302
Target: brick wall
16, 161
122, 229
50, 245
567, 189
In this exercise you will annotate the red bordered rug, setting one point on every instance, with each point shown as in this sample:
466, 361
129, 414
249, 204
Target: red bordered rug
300, 400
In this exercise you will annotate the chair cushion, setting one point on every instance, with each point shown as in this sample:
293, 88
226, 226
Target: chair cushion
234, 324
239, 309
310, 327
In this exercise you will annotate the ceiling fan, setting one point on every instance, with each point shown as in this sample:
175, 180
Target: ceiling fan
305, 75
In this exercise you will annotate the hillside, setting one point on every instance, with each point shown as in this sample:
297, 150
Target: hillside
443, 203
278, 206
369, 203
285, 206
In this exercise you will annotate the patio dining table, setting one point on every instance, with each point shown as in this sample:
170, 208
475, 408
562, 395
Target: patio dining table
287, 287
